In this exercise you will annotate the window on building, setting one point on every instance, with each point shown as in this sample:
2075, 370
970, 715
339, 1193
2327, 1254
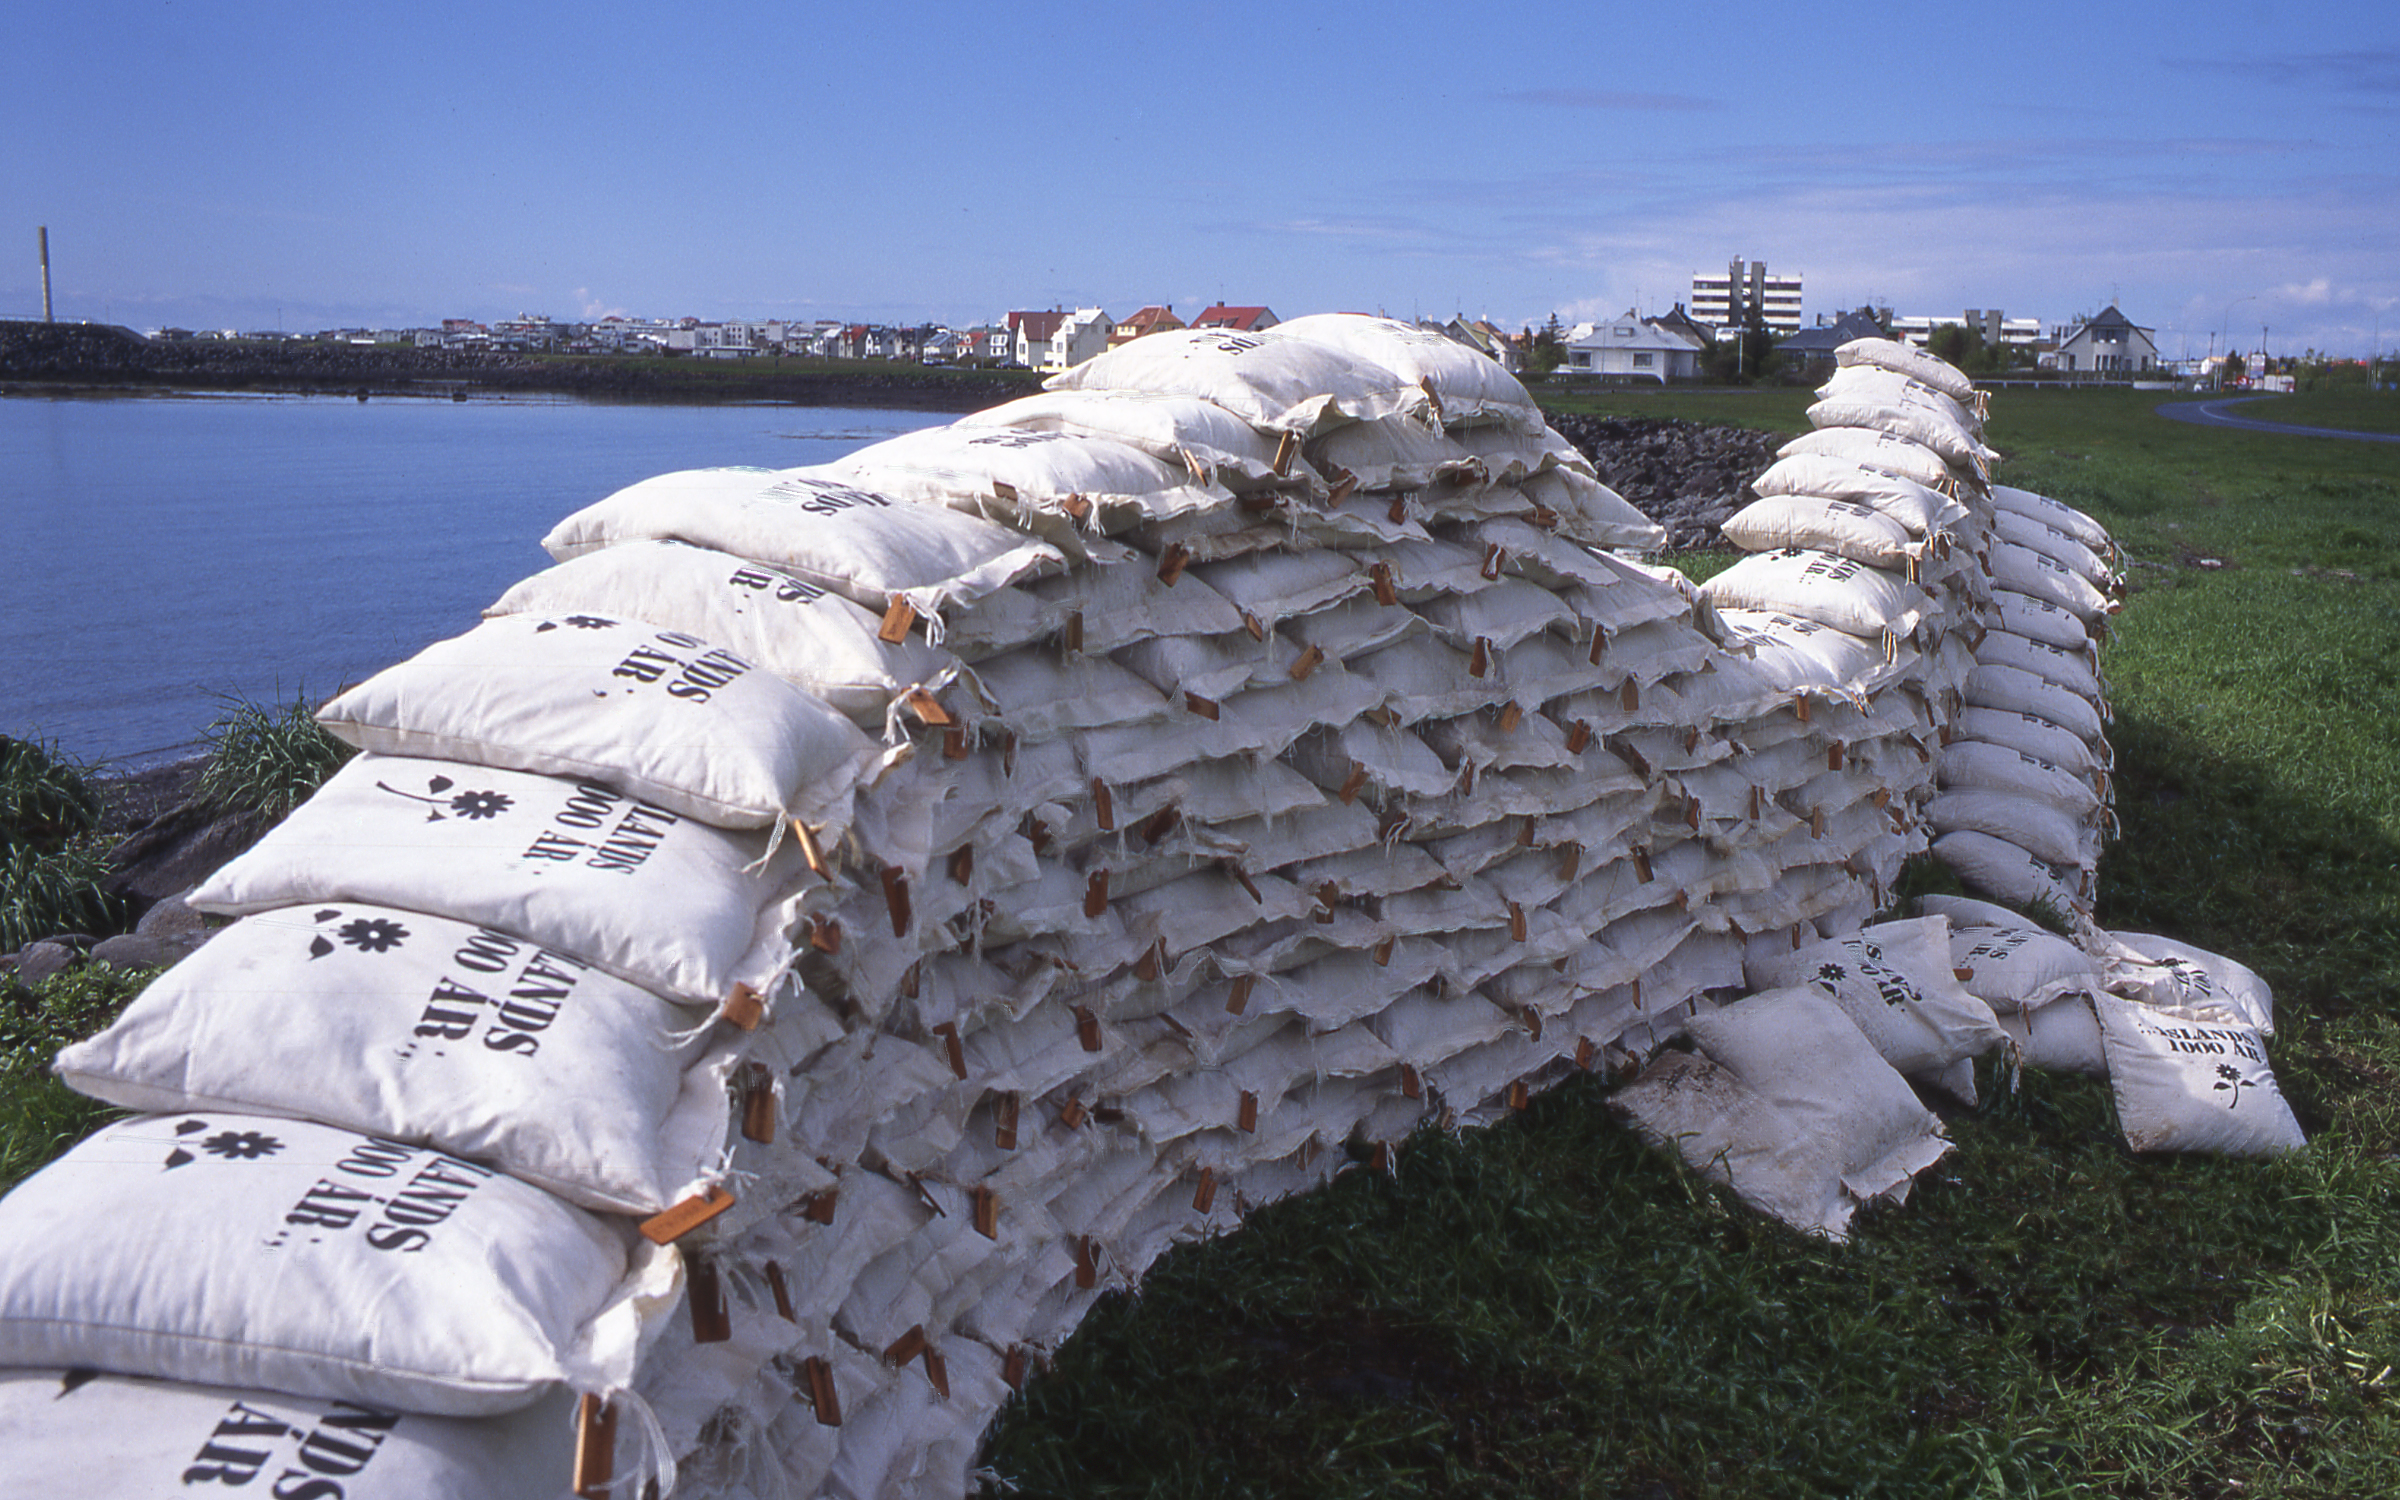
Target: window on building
1645, 361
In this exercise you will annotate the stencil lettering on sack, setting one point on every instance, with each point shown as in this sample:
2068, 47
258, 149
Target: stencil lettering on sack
785, 588
1892, 987
818, 497
338, 1447
695, 679
407, 1216
635, 837
474, 806
527, 1007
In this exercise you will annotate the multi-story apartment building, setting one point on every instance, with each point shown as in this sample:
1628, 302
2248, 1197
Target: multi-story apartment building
1746, 294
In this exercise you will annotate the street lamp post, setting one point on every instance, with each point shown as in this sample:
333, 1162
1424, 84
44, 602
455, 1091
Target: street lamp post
2227, 327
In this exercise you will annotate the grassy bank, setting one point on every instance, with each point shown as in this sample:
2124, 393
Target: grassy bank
1548, 1309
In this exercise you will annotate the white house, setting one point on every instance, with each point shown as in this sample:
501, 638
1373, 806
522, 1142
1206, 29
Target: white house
2109, 344
1079, 336
1630, 349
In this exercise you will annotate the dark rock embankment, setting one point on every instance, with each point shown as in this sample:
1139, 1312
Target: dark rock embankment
1686, 476
78, 356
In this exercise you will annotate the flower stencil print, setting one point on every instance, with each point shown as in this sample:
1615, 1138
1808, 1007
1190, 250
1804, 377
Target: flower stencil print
241, 1145
372, 934
473, 805
2230, 1078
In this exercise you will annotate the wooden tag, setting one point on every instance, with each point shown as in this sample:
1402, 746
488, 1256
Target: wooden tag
1070, 635
711, 1324
1579, 736
1630, 697
1411, 1086
954, 743
1306, 663
937, 1371
1525, 832
1076, 506
1250, 623
1516, 922
897, 617
1204, 1194
818, 1206
595, 1447
1519, 1095
1962, 975
1087, 1028
1510, 715
1073, 1114
1571, 861
1397, 511
1095, 894
1246, 1118
744, 1008
962, 864
1237, 999
758, 1106
948, 1032
825, 934
1087, 1269
1481, 661
1342, 488
1598, 641
986, 1208
1816, 823
1800, 708
782, 1290
1493, 555
1159, 824
1386, 591
1004, 1121
895, 899
1834, 754
927, 708
1012, 1367
1382, 952
1104, 808
1285, 448
1153, 959
906, 1347
1584, 1053
1242, 879
1172, 562
1206, 708
821, 1393
670, 1225
1002, 489
1641, 866
809, 849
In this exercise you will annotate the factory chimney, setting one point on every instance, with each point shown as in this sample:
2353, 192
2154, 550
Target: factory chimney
44, 233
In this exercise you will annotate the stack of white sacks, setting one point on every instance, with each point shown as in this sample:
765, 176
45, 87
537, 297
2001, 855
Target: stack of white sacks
1882, 525
804, 948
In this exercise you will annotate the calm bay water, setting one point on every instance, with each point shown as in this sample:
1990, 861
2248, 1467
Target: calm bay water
159, 553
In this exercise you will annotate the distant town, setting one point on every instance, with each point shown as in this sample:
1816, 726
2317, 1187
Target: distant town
1742, 324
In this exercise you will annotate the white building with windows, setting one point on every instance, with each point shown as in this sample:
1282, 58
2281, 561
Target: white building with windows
1746, 291
1626, 348
2110, 344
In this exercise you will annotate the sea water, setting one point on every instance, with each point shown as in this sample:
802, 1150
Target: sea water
161, 556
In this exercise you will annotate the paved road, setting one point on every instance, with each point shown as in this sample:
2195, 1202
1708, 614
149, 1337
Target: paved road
2215, 414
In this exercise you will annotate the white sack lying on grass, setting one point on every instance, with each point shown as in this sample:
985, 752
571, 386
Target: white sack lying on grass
655, 898
436, 1032
1791, 1107
2055, 514
2013, 968
2164, 971
2002, 869
2062, 1037
79, 1436
662, 716
2186, 1082
280, 1255
865, 546
1896, 984
811, 637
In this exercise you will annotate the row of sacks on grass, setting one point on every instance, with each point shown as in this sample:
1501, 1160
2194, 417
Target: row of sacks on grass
866, 913
1851, 527
1798, 1096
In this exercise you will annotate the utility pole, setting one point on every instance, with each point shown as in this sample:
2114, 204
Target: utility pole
43, 234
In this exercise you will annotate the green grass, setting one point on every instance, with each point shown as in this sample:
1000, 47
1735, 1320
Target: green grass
268, 757
2353, 409
51, 851
1547, 1308
45, 1117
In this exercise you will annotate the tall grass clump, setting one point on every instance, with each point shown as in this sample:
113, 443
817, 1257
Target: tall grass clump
43, 1117
51, 860
268, 758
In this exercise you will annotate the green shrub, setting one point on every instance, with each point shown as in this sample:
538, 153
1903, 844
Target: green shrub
52, 857
46, 798
267, 758
39, 1116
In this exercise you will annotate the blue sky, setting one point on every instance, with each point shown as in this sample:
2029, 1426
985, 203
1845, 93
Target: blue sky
248, 163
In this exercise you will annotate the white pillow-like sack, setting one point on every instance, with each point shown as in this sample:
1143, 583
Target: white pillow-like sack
1469, 389
2041, 828
2189, 1083
1273, 382
1915, 363
281, 1255
437, 1032
79, 1436
866, 546
2063, 1037
1053, 482
2073, 670
1924, 510
2164, 971
1838, 591
660, 715
1844, 527
2055, 514
1796, 1050
811, 637
1184, 431
2013, 968
2051, 624
1896, 984
2044, 577
1869, 447
2000, 868
655, 898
